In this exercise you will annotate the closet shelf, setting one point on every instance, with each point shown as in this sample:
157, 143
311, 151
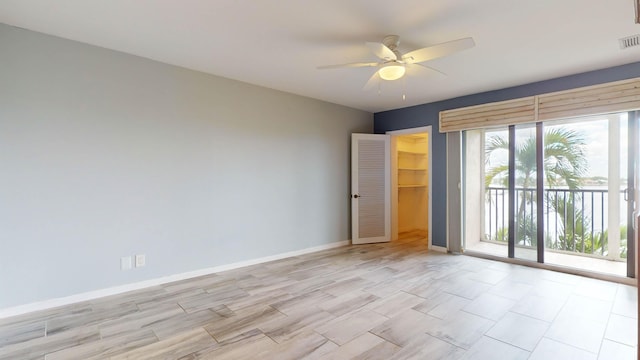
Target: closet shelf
411, 169
411, 152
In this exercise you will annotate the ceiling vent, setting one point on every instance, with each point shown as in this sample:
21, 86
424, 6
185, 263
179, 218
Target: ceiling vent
629, 41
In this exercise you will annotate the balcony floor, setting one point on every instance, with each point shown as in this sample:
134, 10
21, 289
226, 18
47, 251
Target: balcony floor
602, 266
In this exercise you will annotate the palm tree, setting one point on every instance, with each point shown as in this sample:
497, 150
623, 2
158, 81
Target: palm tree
600, 240
574, 224
564, 159
564, 165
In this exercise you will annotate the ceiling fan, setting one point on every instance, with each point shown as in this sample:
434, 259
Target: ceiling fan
393, 64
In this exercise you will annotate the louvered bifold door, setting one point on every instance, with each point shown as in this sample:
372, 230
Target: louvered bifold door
370, 188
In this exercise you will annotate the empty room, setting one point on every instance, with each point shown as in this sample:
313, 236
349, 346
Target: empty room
319, 179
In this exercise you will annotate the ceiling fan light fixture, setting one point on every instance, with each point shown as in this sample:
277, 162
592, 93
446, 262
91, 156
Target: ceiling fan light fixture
391, 71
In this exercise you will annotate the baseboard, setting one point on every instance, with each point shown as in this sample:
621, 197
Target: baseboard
437, 248
91, 295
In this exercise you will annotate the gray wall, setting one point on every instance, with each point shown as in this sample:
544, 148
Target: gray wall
105, 154
427, 114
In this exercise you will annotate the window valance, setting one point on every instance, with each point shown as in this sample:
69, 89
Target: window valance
591, 100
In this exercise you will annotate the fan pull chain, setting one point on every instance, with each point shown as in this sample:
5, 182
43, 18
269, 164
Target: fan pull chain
404, 88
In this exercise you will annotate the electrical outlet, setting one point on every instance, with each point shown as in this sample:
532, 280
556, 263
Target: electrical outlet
140, 260
125, 263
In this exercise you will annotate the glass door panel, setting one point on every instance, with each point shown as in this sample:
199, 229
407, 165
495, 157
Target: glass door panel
486, 165
525, 193
584, 201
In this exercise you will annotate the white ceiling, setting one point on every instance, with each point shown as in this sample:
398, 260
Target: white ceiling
279, 43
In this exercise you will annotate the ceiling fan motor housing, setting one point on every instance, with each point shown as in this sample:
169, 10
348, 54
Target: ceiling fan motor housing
391, 41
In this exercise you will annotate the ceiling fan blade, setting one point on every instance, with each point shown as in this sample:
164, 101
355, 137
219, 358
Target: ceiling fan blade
424, 68
373, 81
381, 51
437, 51
350, 65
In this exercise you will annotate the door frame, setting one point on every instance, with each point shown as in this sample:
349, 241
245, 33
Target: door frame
394, 178
633, 194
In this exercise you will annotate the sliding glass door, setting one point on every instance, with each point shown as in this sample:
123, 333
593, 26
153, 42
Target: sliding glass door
555, 192
524, 193
585, 201
496, 184
509, 171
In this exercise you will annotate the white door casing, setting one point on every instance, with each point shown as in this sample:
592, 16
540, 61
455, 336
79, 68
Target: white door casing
370, 188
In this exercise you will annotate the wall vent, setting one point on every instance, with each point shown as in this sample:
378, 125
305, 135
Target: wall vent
629, 41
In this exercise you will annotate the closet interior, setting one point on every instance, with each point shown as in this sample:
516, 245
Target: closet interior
411, 175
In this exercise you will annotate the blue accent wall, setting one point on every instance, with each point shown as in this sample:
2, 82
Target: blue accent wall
427, 114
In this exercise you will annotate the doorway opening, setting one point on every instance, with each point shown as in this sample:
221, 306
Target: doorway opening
411, 185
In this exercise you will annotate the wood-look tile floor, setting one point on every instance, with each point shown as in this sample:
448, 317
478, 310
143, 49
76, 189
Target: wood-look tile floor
379, 301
